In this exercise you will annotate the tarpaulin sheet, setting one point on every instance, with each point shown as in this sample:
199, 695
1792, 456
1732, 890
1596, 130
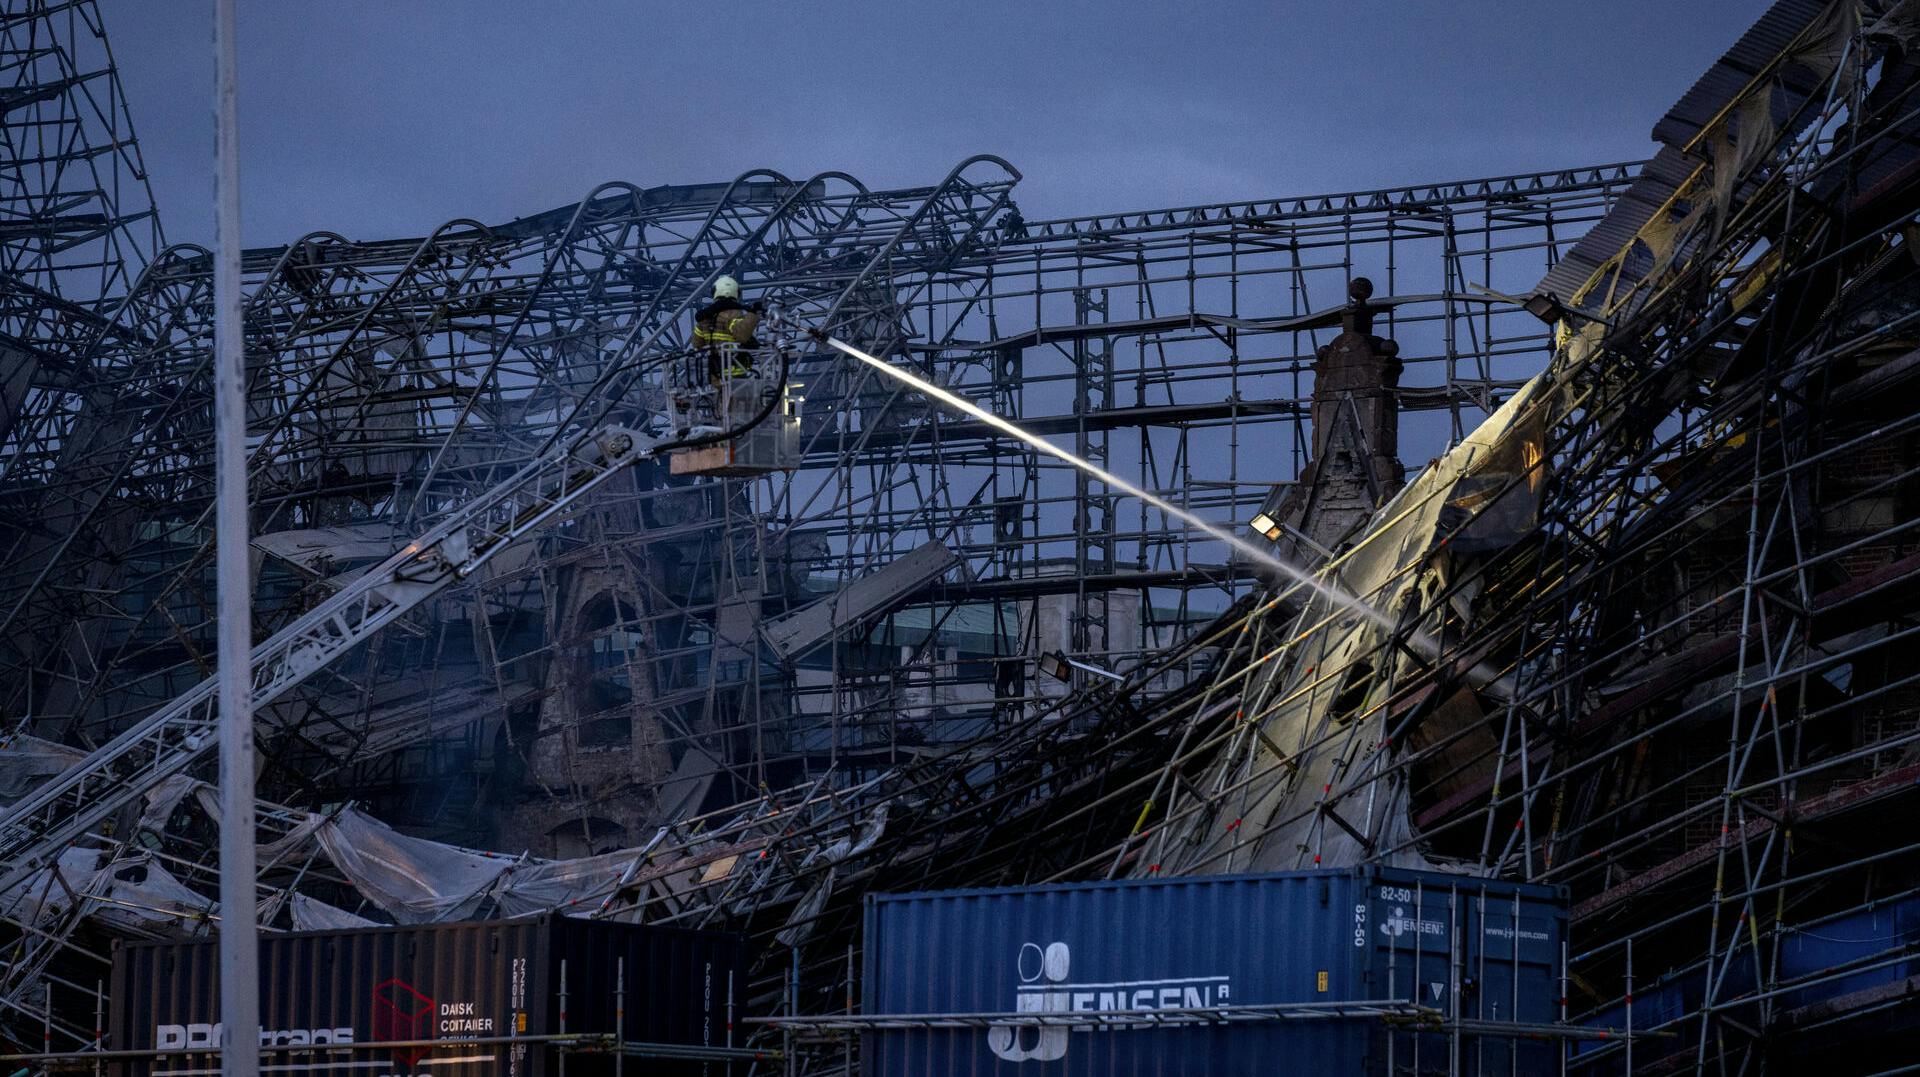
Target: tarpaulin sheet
139, 896
561, 884
133, 893
414, 880
800, 922
162, 799
49, 893
27, 761
308, 914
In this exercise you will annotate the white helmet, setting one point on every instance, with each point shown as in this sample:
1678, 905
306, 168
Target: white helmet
726, 288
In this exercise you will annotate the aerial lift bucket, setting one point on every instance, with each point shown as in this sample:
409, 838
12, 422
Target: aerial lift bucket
732, 403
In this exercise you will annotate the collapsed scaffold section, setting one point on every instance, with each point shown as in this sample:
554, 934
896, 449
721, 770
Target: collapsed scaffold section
396, 378
36, 829
691, 699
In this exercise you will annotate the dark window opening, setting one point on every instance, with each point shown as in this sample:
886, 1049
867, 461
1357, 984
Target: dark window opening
1354, 687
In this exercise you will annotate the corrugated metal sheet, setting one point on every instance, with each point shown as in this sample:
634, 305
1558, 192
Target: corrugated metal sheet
682, 985
1764, 40
1481, 948
1817, 962
1868, 940
445, 982
1649, 191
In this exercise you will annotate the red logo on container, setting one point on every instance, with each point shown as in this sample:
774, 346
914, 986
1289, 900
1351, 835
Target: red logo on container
401, 1013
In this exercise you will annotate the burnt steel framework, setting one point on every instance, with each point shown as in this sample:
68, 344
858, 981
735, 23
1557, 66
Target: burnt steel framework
678, 644
1652, 591
393, 379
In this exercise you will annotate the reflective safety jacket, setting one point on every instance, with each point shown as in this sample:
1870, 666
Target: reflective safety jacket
725, 326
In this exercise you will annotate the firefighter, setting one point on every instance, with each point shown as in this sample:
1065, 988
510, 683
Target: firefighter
724, 328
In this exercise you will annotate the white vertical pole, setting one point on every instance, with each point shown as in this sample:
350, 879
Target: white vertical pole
239, 934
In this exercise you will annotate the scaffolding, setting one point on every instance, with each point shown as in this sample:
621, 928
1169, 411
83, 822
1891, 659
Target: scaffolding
1651, 574
1670, 587
617, 673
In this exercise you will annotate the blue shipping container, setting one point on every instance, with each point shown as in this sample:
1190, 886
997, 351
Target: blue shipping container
1274, 965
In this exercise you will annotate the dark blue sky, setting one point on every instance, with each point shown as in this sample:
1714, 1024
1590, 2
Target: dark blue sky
378, 118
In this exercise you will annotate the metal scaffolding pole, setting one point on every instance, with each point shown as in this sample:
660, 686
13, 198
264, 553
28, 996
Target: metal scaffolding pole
239, 933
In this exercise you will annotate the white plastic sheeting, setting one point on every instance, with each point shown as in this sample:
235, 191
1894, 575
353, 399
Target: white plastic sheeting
49, 893
27, 761
134, 894
414, 880
800, 922
162, 799
139, 896
564, 884
308, 914
295, 842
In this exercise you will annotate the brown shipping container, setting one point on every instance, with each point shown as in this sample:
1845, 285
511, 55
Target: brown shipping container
325, 991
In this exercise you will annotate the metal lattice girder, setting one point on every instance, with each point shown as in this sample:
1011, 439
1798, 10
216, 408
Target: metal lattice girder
76, 215
174, 736
490, 360
339, 327
1516, 190
126, 425
332, 325
40, 825
77, 232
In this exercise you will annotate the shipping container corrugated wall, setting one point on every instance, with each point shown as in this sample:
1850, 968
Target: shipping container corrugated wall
443, 982
682, 986
1473, 948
